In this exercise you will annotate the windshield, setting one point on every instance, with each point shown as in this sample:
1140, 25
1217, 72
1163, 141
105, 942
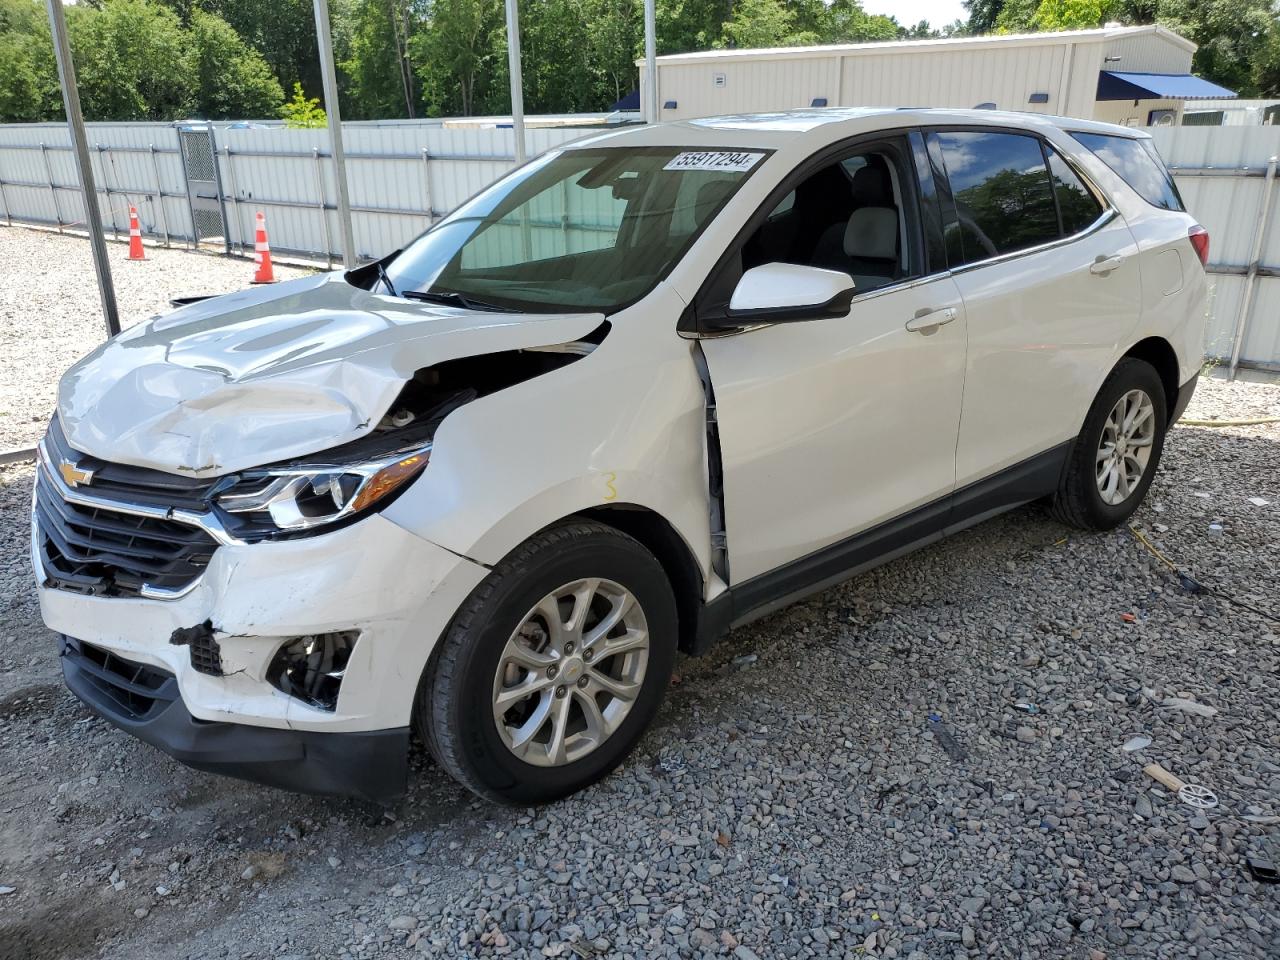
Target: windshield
581, 230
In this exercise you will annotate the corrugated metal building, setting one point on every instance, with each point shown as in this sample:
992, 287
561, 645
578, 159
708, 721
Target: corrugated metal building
1133, 75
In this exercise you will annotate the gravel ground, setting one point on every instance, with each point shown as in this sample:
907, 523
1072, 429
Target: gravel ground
793, 799
50, 314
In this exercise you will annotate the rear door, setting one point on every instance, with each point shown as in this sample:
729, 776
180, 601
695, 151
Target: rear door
1050, 280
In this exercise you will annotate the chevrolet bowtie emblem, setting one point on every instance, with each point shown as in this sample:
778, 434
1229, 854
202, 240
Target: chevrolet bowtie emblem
74, 475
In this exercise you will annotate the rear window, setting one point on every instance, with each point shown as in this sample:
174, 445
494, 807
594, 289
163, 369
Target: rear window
1138, 164
1077, 207
1003, 196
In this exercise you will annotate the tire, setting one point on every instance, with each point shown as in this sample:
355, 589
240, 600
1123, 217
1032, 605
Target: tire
1080, 500
457, 712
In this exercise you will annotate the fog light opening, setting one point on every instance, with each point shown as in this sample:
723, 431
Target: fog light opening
311, 668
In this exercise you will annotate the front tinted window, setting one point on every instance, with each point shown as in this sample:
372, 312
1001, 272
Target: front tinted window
1138, 164
590, 229
1078, 206
1002, 194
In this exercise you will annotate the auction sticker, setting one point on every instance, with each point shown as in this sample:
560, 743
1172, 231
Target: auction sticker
728, 161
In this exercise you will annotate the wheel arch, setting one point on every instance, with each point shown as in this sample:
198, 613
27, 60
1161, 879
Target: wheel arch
1159, 353
657, 534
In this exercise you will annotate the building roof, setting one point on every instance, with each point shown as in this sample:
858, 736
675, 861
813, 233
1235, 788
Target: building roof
1097, 35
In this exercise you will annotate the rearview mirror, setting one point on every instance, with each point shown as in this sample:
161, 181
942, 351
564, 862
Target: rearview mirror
783, 292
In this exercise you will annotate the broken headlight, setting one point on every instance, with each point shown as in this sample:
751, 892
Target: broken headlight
302, 496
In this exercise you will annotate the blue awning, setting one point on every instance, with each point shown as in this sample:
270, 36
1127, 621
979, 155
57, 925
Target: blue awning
1158, 86
630, 102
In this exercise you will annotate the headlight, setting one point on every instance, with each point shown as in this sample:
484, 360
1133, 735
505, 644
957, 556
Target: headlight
304, 496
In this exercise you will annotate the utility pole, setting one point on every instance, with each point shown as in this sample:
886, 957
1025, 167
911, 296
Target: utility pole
80, 143
324, 40
651, 60
517, 86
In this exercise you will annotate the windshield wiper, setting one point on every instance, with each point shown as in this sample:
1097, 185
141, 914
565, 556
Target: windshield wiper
453, 298
385, 278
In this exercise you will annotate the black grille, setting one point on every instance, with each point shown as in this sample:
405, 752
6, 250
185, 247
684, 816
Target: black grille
120, 481
105, 552
132, 690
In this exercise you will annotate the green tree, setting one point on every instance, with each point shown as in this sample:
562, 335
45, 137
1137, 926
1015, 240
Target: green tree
613, 43
846, 22
301, 111
763, 23
1266, 65
1232, 35
460, 54
133, 61
983, 14
381, 81
555, 40
284, 32
28, 74
684, 25
1070, 14
1017, 16
232, 79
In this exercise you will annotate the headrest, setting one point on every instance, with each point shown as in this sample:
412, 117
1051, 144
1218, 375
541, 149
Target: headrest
872, 186
872, 234
710, 195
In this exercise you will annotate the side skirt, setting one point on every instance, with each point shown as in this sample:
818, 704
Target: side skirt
760, 596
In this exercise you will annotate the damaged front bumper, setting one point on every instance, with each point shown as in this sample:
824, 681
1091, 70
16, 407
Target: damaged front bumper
215, 706
146, 703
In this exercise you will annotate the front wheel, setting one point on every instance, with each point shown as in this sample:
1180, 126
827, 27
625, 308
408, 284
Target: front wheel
553, 667
1114, 459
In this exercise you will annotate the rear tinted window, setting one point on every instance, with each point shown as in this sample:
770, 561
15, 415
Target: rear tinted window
1003, 197
1138, 164
1077, 205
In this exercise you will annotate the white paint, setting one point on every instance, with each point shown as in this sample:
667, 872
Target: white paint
828, 427
782, 285
272, 372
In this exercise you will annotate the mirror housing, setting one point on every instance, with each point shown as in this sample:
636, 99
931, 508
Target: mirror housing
787, 292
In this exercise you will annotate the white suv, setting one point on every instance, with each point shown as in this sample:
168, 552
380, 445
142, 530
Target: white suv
642, 389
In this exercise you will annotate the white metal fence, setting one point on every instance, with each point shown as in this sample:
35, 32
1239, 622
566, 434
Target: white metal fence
1227, 178
400, 175
403, 174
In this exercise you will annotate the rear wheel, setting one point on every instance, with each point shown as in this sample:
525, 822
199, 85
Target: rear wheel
1114, 459
554, 666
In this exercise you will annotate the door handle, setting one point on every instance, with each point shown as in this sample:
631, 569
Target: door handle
927, 321
1104, 265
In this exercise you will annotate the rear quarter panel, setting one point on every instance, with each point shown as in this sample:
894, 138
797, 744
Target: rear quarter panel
1174, 285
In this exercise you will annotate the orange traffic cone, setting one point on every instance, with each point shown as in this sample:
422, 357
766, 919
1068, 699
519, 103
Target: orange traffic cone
262, 253
135, 236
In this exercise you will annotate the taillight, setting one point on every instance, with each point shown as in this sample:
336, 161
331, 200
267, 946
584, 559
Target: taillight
1200, 240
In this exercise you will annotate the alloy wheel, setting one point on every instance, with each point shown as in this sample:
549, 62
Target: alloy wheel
570, 672
1125, 448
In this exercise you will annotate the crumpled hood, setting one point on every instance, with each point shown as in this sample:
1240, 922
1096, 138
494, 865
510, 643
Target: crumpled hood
273, 372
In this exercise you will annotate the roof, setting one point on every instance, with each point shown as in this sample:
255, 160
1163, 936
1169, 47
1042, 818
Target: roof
1097, 35
811, 128
1114, 85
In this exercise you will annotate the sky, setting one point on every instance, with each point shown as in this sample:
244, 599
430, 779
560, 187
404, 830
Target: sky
910, 12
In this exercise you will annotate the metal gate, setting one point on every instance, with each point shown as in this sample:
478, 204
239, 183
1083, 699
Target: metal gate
204, 184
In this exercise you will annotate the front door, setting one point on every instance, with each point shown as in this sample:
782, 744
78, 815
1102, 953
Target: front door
830, 427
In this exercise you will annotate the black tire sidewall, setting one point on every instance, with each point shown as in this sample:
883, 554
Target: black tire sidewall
609, 556
1131, 375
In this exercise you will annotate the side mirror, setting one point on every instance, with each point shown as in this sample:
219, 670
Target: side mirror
784, 292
